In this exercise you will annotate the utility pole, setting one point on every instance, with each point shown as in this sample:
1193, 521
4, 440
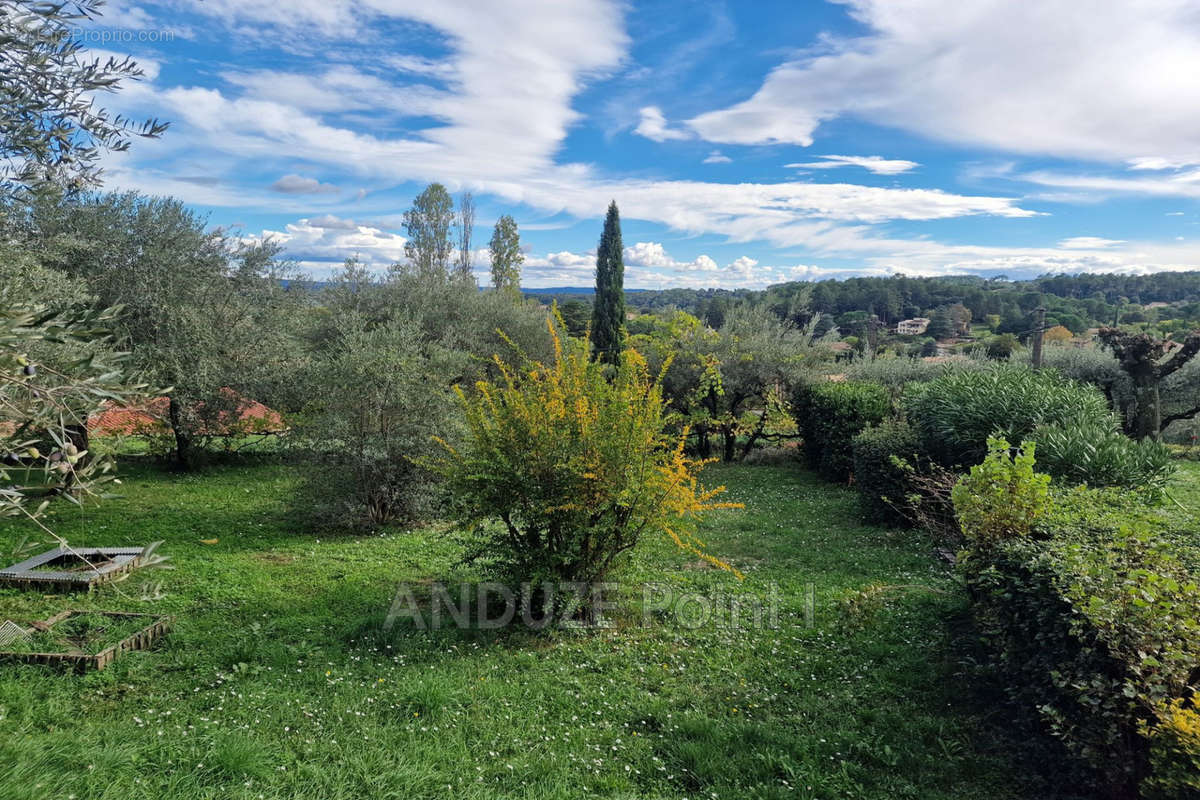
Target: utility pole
1039, 329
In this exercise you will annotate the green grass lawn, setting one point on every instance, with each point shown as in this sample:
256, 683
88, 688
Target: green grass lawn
279, 682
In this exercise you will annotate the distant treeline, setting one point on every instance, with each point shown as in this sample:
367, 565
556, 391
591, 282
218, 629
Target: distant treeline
1074, 301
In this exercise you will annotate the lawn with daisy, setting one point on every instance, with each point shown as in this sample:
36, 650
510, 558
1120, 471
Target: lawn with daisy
280, 678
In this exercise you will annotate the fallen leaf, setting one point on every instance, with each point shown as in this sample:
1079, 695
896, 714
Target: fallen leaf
209, 541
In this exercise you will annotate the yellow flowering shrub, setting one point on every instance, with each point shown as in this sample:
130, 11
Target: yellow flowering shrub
565, 466
1174, 751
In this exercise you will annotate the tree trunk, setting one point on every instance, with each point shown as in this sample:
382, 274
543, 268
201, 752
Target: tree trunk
183, 441
730, 434
1149, 412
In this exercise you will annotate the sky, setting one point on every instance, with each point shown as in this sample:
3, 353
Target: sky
745, 143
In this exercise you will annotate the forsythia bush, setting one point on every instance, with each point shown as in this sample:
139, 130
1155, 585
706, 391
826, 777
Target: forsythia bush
566, 466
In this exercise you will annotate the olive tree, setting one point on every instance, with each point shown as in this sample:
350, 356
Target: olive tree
42, 405
202, 313
1149, 361
52, 133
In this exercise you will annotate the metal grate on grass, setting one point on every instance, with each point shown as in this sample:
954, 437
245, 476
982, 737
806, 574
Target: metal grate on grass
72, 569
94, 645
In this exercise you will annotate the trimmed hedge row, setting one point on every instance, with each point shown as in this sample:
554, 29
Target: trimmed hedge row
1093, 621
830, 414
884, 459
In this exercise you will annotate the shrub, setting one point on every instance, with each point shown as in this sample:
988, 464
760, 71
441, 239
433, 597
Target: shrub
1002, 497
956, 413
375, 405
1099, 455
566, 465
896, 373
1094, 623
885, 458
830, 414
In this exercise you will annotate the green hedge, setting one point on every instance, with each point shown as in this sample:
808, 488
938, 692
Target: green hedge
830, 414
1094, 622
884, 458
955, 414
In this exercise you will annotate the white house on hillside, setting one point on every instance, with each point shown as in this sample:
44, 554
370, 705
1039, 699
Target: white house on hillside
912, 327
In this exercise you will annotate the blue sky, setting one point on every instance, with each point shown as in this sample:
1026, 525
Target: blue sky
745, 143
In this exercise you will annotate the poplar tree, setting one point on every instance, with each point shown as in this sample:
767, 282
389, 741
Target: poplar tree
464, 224
608, 311
506, 255
427, 225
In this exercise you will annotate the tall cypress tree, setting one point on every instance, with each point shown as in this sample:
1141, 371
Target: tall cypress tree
608, 311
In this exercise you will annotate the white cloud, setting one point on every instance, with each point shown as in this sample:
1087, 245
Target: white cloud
329, 221
418, 65
330, 241
298, 184
1057, 77
337, 89
1155, 163
653, 125
717, 157
653, 254
876, 164
1176, 184
1088, 243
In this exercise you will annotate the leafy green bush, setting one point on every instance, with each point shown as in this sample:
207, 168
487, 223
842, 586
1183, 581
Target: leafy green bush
885, 457
374, 408
830, 414
956, 413
1098, 454
1094, 623
1002, 497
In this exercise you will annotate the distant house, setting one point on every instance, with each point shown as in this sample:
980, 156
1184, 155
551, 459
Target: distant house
912, 327
244, 417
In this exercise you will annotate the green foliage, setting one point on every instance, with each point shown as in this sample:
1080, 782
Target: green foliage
1095, 624
1001, 346
897, 373
427, 227
608, 307
1002, 497
51, 132
885, 456
44, 407
507, 257
374, 407
955, 414
728, 386
565, 466
1097, 454
377, 387
830, 414
201, 312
